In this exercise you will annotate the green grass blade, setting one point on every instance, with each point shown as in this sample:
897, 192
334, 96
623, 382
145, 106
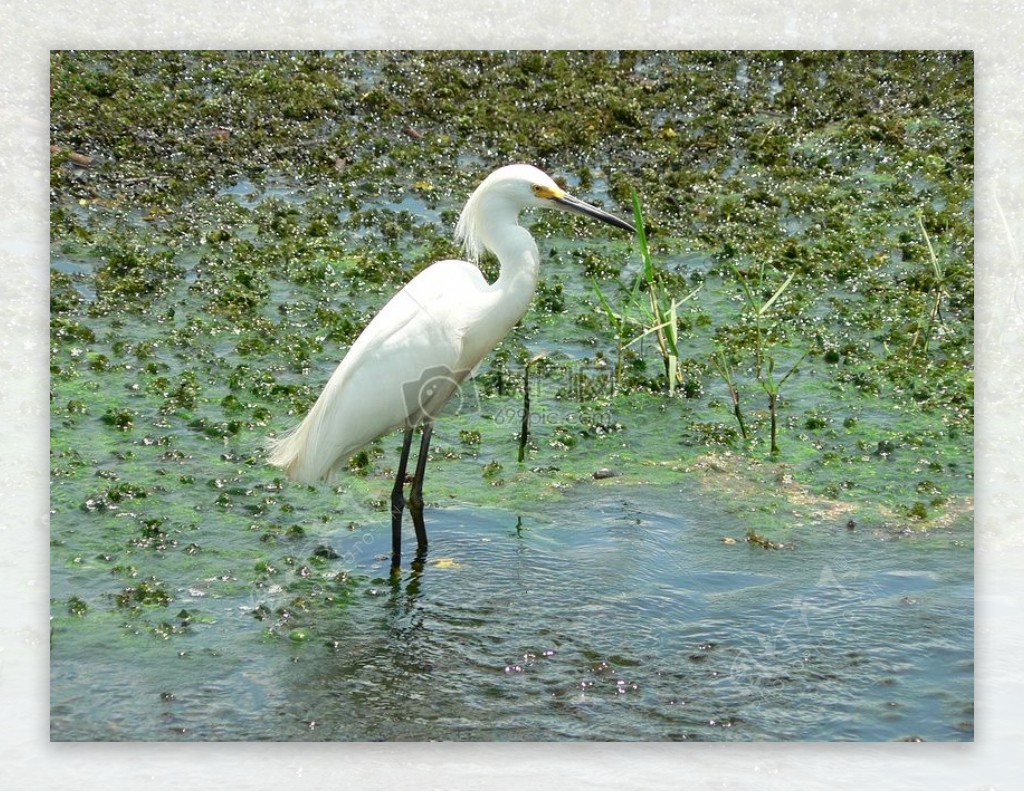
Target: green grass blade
672, 331
778, 293
641, 235
613, 317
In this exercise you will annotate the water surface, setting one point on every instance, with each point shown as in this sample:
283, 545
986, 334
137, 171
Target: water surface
613, 619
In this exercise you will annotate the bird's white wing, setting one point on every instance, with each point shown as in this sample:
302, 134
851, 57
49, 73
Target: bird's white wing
402, 369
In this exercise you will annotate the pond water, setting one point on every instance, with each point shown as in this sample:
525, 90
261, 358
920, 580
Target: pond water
208, 275
621, 614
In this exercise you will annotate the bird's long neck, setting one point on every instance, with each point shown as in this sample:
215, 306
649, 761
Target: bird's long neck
520, 268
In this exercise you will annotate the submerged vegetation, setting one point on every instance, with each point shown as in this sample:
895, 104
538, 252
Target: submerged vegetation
656, 313
796, 334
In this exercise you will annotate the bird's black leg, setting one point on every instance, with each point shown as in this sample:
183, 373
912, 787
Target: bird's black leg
398, 502
416, 493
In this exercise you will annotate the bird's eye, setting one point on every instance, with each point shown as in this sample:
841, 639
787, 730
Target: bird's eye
545, 192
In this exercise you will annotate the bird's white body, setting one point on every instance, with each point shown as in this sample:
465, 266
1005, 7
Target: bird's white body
412, 356
419, 340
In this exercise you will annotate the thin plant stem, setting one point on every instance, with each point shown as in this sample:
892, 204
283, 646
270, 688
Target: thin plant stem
524, 429
720, 363
940, 291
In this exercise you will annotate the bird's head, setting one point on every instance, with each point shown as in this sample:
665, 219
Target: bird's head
507, 191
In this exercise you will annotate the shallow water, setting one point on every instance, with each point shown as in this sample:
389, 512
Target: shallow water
196, 595
621, 616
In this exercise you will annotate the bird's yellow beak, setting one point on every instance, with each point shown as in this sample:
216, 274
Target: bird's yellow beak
568, 203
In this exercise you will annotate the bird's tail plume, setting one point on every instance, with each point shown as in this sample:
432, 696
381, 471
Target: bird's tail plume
285, 452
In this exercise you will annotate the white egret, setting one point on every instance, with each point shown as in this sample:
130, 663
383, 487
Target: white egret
413, 355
